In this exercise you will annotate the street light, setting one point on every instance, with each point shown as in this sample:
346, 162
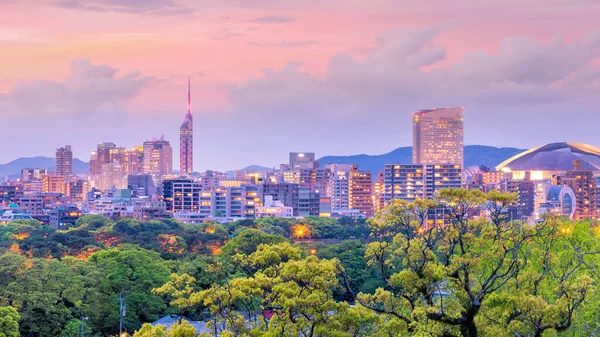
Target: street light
83, 319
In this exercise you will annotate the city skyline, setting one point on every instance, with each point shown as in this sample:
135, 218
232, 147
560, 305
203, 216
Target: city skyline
517, 71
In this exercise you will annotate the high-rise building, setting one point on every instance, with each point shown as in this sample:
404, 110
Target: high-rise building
337, 188
186, 140
158, 157
64, 161
412, 181
135, 160
360, 191
438, 136
584, 185
109, 166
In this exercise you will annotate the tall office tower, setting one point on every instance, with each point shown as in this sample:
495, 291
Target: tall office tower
64, 161
158, 157
360, 191
186, 140
135, 160
302, 160
438, 136
412, 181
584, 184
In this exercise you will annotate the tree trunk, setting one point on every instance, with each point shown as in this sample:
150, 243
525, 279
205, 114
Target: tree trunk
468, 329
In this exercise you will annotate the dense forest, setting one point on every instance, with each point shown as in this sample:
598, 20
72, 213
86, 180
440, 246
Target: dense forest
478, 274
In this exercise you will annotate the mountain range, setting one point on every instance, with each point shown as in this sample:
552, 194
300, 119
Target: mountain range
475, 155
13, 169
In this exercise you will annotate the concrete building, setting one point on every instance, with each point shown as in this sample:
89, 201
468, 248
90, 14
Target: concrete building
438, 136
302, 160
112, 176
181, 194
338, 186
64, 161
34, 205
274, 208
583, 184
309, 202
186, 139
55, 184
525, 206
78, 189
412, 181
158, 157
30, 174
360, 191
141, 184
135, 160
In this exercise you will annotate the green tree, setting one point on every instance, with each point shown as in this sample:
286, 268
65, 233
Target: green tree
134, 272
148, 330
73, 329
182, 329
9, 322
444, 279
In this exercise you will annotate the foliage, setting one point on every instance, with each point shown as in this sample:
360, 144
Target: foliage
9, 322
147, 330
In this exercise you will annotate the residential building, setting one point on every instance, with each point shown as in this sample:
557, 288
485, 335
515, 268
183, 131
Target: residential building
309, 203
274, 208
414, 181
438, 136
360, 191
141, 184
338, 186
32, 174
53, 183
64, 161
181, 194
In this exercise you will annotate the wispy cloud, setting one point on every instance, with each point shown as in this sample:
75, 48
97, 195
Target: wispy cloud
274, 19
151, 7
285, 44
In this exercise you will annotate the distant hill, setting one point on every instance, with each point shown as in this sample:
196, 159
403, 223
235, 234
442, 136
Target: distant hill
13, 169
475, 155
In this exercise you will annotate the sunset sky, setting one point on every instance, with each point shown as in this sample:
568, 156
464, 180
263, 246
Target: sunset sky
334, 77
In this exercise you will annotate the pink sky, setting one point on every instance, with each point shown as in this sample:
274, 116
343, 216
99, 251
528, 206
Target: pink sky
227, 44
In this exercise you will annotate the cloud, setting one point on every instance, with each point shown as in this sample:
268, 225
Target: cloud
152, 7
518, 86
284, 44
225, 35
88, 90
274, 19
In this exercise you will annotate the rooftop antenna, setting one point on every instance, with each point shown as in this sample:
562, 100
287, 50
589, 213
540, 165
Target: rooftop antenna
189, 97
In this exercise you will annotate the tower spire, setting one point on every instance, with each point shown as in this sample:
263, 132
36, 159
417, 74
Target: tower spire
189, 97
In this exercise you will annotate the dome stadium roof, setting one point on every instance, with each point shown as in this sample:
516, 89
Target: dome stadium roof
554, 157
